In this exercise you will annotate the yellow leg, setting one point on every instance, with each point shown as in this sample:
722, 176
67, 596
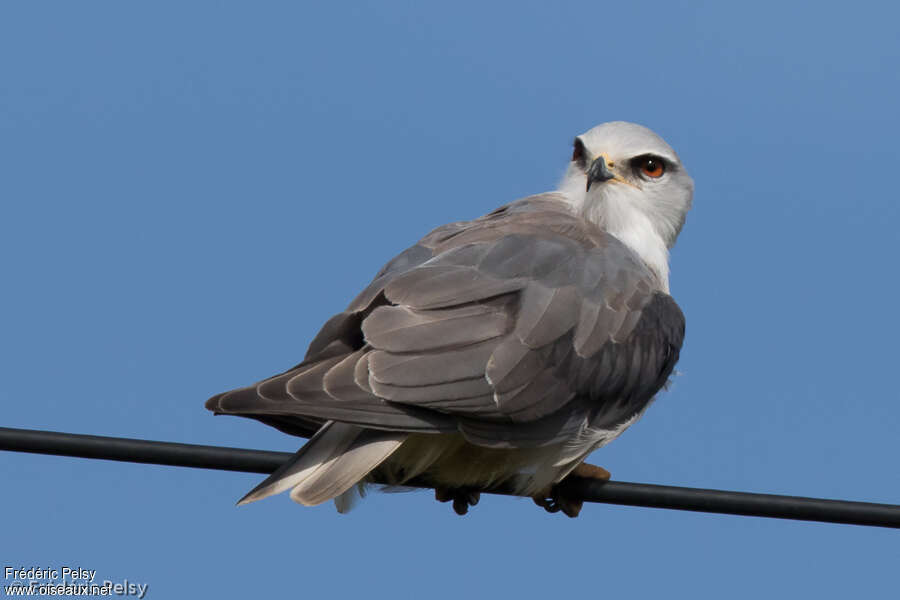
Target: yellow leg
588, 471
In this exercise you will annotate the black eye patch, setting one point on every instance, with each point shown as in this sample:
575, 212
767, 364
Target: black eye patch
579, 154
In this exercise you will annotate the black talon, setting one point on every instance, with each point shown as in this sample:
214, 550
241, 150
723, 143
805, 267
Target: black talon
460, 506
556, 502
462, 498
443, 494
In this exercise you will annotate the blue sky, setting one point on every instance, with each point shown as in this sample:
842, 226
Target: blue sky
190, 189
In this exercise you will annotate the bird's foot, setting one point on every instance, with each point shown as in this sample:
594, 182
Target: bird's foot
555, 500
462, 498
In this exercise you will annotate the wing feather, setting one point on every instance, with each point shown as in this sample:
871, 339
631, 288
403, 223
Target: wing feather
409, 369
403, 329
546, 314
438, 286
460, 389
517, 329
513, 364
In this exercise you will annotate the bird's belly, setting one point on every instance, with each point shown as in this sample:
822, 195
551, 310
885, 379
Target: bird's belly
448, 460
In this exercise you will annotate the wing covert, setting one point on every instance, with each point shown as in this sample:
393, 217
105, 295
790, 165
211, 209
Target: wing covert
514, 329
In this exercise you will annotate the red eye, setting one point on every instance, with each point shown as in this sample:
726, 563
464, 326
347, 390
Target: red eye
652, 167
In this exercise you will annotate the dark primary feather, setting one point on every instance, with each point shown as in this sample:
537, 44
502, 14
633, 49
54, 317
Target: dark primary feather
517, 329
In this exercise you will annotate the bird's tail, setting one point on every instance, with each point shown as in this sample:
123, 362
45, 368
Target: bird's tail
335, 459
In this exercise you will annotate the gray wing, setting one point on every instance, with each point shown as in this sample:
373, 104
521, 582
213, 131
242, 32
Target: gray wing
516, 329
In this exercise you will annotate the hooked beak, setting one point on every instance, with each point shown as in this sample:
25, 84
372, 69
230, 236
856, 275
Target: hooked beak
599, 172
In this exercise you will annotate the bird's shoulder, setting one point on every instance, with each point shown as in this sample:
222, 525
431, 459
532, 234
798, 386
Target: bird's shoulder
538, 236
541, 215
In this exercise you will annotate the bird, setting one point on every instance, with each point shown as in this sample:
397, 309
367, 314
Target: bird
499, 351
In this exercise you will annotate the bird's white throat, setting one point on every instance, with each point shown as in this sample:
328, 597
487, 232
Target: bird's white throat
615, 208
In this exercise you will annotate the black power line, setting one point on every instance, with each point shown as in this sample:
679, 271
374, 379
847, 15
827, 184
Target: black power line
610, 492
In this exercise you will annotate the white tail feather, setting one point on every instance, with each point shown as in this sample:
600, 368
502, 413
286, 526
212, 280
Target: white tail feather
333, 460
337, 475
349, 499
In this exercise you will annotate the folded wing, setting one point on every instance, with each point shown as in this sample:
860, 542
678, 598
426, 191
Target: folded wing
516, 329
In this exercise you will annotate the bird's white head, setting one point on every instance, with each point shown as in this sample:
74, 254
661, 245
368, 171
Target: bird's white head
629, 181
